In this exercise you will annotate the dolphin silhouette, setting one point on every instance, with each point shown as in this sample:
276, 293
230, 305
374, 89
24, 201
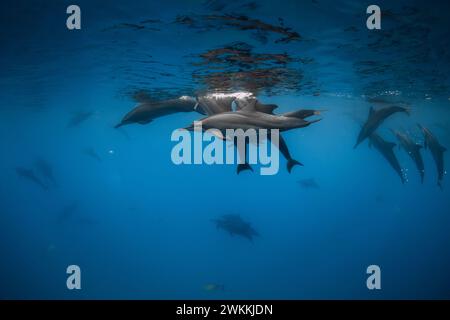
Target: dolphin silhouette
437, 151
375, 119
413, 150
386, 149
29, 175
146, 111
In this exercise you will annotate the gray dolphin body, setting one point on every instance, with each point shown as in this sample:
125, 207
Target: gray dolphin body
413, 150
46, 170
29, 175
437, 151
234, 225
147, 111
375, 119
309, 183
386, 149
213, 106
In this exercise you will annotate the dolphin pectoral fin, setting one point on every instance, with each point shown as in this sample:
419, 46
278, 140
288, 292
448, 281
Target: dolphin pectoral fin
391, 145
371, 111
291, 163
118, 125
443, 149
243, 166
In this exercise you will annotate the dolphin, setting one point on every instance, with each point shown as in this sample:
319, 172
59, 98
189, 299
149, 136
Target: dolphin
91, 153
413, 150
437, 151
46, 170
235, 225
386, 149
29, 174
309, 183
78, 118
375, 119
147, 110
249, 118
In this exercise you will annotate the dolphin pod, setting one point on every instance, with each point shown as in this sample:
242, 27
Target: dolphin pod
251, 114
437, 151
405, 141
147, 110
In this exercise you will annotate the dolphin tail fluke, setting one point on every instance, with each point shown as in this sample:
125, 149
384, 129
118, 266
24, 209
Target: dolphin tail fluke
243, 166
291, 163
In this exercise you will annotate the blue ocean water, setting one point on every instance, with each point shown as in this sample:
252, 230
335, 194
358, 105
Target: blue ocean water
140, 227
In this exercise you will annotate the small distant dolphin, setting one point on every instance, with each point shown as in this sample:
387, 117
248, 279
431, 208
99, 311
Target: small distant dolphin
413, 150
309, 183
91, 153
148, 110
386, 149
234, 225
46, 170
78, 118
437, 151
375, 119
29, 174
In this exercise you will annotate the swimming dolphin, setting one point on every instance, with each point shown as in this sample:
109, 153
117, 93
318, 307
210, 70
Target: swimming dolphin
309, 183
147, 110
234, 225
413, 150
375, 119
437, 151
78, 118
386, 149
29, 174
45, 169
249, 118
92, 153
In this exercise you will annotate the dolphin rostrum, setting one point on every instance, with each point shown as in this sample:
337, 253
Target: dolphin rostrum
386, 149
147, 110
413, 150
375, 119
437, 151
